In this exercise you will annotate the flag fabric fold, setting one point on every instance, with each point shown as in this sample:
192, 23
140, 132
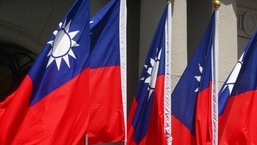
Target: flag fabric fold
146, 121
237, 100
107, 64
49, 106
192, 96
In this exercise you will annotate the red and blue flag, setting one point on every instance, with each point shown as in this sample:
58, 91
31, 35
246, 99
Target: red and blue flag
49, 107
146, 122
237, 101
107, 63
192, 96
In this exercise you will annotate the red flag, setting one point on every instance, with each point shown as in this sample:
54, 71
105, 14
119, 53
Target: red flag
149, 118
107, 74
49, 106
238, 105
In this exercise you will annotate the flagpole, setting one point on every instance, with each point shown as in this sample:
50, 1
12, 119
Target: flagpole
167, 87
216, 5
123, 59
86, 140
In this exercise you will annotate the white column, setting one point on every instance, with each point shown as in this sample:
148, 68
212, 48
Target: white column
227, 39
179, 42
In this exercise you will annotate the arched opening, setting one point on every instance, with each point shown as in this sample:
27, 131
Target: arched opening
15, 62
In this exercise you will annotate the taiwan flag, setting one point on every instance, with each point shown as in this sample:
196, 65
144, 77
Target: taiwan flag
107, 63
238, 112
149, 121
49, 107
192, 96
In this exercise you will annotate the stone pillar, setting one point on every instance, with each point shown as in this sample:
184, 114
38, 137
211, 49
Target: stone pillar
179, 40
227, 39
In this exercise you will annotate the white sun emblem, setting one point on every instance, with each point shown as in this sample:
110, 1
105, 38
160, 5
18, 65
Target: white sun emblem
61, 45
152, 71
198, 78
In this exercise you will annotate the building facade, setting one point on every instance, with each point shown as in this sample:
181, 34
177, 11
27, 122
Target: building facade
25, 26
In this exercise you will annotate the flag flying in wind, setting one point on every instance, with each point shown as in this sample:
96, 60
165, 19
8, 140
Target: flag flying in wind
192, 96
49, 107
226, 89
148, 118
238, 114
107, 74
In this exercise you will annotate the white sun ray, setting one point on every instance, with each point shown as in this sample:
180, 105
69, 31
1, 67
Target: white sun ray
198, 78
152, 70
62, 45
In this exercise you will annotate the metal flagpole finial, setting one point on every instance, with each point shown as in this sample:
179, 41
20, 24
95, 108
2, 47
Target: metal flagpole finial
170, 1
216, 4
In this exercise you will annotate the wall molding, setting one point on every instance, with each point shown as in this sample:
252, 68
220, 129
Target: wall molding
246, 21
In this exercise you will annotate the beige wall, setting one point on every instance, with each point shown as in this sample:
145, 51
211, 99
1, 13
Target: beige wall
247, 22
227, 39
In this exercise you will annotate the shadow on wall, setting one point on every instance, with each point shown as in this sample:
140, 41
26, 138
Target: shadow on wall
230, 2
